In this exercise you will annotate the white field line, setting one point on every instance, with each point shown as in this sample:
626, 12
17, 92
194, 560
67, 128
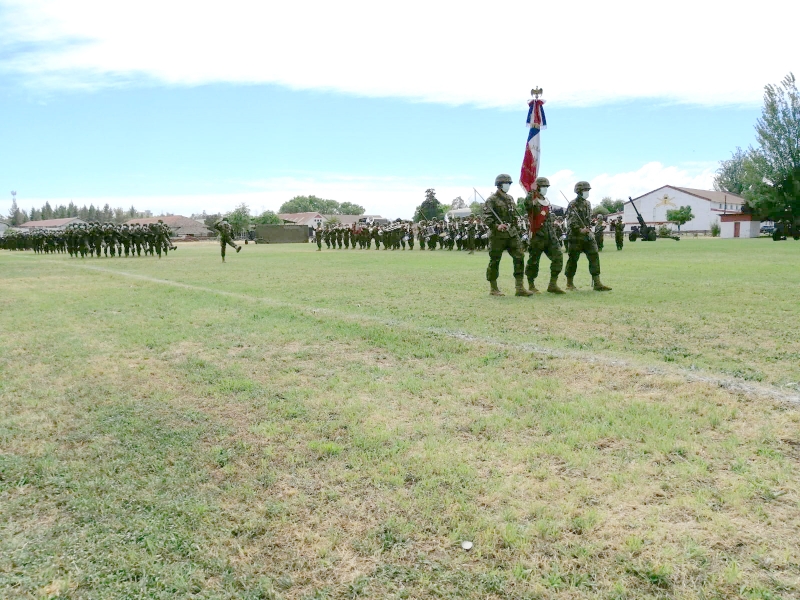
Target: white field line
732, 384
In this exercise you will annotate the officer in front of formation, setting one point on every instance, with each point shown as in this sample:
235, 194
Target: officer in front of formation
500, 215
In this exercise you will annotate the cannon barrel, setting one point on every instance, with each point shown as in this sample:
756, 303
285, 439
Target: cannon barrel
638, 215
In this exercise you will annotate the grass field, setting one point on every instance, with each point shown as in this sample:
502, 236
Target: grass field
300, 424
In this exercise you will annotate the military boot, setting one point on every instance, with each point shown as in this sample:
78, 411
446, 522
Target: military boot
238, 248
521, 291
494, 290
570, 285
553, 287
532, 287
598, 285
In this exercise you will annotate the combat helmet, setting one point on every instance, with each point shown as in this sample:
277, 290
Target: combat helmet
582, 186
542, 182
502, 178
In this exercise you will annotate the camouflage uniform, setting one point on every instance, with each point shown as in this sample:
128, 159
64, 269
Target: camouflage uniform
619, 233
225, 236
544, 241
500, 211
579, 215
599, 228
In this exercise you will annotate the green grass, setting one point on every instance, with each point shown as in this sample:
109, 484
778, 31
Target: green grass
295, 424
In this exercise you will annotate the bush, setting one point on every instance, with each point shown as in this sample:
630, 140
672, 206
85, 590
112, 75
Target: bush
715, 229
664, 231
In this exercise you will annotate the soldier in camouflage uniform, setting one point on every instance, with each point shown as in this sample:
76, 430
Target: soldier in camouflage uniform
225, 236
545, 239
500, 214
599, 228
581, 240
619, 233
318, 237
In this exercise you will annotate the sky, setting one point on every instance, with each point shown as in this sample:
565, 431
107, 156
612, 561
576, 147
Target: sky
180, 107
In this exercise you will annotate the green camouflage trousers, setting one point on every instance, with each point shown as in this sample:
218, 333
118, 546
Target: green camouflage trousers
544, 245
582, 245
500, 244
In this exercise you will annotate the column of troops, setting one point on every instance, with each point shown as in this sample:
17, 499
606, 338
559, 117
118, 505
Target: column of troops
468, 234
93, 239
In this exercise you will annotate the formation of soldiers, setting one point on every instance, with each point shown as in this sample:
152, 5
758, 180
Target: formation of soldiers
467, 234
93, 239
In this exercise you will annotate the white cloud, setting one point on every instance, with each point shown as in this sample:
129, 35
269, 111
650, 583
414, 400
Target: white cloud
489, 54
650, 177
391, 197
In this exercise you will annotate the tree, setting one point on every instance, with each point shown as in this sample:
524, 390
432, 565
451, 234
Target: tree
209, 220
349, 208
771, 172
680, 215
239, 218
430, 208
612, 206
457, 203
600, 210
14, 214
731, 174
268, 217
311, 203
476, 208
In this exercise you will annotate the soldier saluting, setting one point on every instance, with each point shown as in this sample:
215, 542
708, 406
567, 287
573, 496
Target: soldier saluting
500, 215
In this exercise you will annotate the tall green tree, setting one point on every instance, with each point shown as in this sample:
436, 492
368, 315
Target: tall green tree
349, 208
14, 214
476, 208
239, 218
430, 208
771, 171
268, 217
680, 216
612, 206
311, 203
731, 175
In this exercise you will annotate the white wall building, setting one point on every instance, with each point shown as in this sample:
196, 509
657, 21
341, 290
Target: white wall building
707, 207
739, 225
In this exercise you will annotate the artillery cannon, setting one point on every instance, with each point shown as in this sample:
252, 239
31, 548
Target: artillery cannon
644, 231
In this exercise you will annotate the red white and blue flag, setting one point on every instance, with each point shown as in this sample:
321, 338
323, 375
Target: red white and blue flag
530, 164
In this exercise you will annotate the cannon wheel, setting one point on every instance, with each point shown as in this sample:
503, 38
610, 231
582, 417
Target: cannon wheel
652, 235
633, 236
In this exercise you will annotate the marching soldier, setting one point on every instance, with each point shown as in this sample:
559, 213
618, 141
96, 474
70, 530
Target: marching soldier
318, 237
500, 216
544, 237
225, 236
581, 240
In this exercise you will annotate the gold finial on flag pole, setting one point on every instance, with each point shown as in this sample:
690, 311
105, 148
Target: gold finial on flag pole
536, 92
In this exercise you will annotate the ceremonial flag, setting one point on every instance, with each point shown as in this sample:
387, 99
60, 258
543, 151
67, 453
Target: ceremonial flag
530, 163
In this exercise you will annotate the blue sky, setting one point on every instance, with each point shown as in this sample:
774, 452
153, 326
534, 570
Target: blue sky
85, 117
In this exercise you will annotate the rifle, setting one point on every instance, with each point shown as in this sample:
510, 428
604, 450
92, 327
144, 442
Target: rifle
585, 226
496, 216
